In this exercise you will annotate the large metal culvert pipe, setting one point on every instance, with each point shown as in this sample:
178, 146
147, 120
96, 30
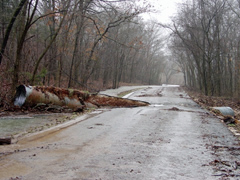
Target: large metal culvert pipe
32, 95
74, 99
226, 111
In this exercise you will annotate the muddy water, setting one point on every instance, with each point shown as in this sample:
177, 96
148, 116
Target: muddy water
13, 125
21, 124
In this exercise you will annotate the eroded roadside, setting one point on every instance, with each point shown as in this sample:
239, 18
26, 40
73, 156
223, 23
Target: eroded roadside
44, 100
207, 102
173, 138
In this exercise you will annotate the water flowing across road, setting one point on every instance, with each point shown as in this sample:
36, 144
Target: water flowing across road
173, 138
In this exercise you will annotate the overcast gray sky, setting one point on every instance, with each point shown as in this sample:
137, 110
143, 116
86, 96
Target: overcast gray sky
165, 8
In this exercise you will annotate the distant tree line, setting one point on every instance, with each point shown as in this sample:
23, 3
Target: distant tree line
77, 44
205, 42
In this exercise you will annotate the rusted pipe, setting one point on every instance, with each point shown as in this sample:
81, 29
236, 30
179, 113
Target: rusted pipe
74, 99
33, 95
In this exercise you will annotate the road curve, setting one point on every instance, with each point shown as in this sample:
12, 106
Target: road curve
173, 138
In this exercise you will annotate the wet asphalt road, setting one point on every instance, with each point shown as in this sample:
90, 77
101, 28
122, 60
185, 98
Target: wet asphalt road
173, 138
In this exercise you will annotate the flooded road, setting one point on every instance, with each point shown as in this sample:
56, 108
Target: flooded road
173, 138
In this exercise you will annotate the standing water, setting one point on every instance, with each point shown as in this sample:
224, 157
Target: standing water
12, 125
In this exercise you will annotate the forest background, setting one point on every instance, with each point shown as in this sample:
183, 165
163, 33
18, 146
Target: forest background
98, 44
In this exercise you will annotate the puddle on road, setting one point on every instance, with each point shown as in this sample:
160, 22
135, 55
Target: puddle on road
13, 125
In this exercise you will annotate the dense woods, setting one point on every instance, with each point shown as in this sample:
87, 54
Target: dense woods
97, 44
206, 44
87, 44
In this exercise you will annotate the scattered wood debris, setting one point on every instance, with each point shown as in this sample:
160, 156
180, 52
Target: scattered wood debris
229, 120
5, 140
208, 102
151, 95
174, 109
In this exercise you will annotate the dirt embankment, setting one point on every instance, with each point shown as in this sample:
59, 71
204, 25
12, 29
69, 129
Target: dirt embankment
37, 99
62, 99
208, 102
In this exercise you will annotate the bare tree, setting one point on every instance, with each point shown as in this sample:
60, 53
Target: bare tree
10, 26
204, 33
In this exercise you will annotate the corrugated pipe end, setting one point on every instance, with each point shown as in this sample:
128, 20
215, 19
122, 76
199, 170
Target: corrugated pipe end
20, 96
226, 111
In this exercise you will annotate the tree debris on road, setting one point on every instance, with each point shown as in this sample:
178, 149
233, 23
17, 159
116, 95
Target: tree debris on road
5, 140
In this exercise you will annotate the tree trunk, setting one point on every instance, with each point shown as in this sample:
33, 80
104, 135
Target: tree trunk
9, 28
23, 29
47, 48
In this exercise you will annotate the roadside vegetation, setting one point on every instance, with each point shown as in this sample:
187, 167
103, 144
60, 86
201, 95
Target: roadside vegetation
205, 43
80, 44
207, 102
94, 45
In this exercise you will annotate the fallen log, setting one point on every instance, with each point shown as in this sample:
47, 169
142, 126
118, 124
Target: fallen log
5, 140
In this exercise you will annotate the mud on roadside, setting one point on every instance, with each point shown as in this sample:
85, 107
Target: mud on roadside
208, 102
54, 111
